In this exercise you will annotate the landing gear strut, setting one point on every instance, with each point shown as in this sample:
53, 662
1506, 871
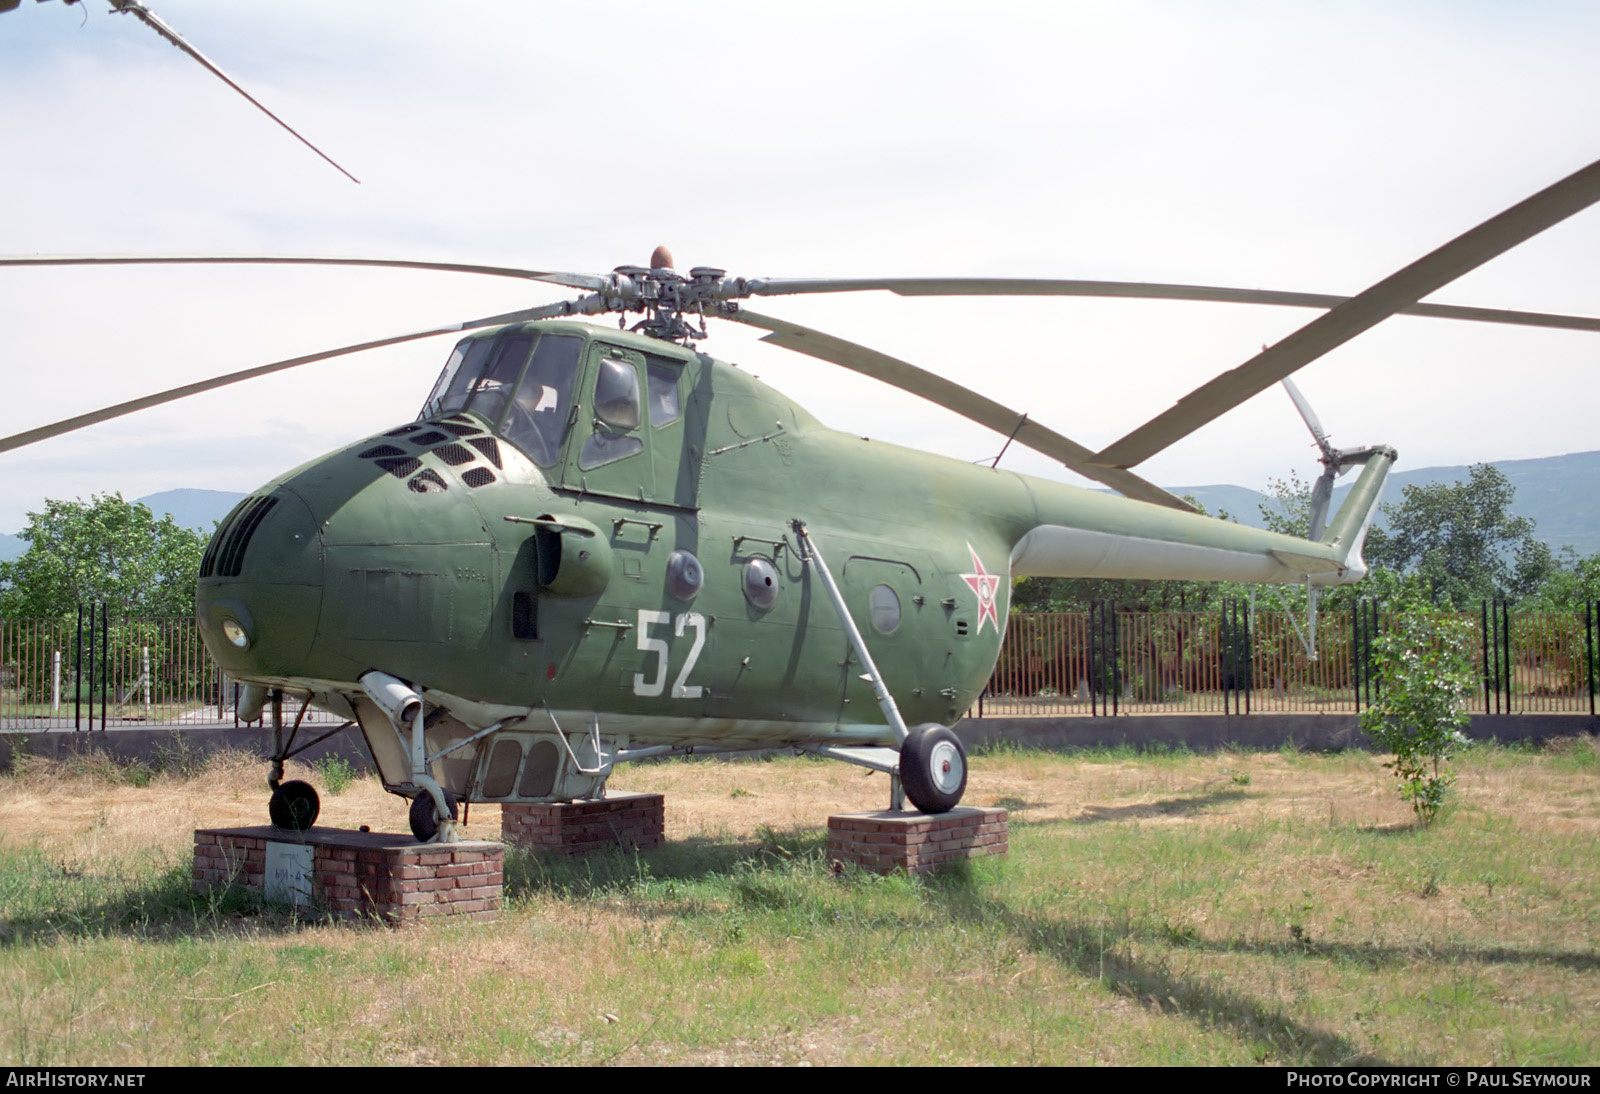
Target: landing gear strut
933, 765
424, 816
294, 805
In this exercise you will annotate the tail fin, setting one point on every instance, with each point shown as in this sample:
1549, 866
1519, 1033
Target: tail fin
1347, 532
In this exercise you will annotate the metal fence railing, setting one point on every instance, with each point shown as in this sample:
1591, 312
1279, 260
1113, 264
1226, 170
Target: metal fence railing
95, 672
1241, 661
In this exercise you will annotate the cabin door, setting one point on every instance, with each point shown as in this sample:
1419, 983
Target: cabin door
629, 438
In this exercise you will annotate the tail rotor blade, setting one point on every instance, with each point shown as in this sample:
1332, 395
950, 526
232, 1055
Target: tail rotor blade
1321, 493
1309, 416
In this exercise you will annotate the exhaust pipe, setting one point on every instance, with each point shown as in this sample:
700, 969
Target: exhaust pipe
393, 697
252, 701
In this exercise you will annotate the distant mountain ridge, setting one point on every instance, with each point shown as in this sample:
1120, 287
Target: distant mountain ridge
201, 510
1560, 494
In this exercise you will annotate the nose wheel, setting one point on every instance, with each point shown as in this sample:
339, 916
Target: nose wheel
933, 768
294, 806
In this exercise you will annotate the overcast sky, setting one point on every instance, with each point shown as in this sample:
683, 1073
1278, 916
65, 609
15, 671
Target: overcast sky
1310, 146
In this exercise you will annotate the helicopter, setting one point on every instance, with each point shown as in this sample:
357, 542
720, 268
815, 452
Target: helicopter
596, 545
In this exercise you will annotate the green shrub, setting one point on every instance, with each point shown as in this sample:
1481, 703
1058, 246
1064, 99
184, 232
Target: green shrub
1424, 670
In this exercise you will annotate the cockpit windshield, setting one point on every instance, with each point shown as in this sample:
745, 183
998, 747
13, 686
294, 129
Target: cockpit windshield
540, 413
450, 393
493, 390
483, 373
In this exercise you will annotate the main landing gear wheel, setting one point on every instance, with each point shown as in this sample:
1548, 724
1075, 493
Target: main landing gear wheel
424, 820
294, 806
933, 768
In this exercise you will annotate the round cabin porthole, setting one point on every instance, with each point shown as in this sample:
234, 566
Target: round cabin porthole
761, 583
884, 607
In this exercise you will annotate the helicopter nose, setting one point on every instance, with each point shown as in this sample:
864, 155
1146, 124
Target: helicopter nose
260, 588
379, 554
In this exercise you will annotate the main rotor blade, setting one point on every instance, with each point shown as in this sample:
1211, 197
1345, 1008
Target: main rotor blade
1146, 290
570, 280
952, 396
153, 21
67, 425
1394, 293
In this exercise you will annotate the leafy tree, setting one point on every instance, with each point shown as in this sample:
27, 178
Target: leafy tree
1463, 541
104, 549
1287, 508
1571, 583
1424, 667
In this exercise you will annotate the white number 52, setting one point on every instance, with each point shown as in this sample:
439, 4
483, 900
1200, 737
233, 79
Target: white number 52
650, 688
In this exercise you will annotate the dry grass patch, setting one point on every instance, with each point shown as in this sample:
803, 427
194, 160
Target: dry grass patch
1229, 908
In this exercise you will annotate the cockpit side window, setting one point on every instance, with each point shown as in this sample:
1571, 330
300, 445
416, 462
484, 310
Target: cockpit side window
539, 416
665, 405
450, 393
494, 389
617, 413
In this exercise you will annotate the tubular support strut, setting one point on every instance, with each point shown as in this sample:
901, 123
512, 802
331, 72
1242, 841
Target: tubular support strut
395, 699
885, 701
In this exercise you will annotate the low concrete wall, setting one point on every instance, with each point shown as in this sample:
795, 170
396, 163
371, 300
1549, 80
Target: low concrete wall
1209, 732
1201, 733
158, 746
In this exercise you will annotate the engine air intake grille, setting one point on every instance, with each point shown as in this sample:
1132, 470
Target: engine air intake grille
486, 445
399, 468
453, 454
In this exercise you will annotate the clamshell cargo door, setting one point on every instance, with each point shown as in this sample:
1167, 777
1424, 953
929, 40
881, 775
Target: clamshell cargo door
629, 440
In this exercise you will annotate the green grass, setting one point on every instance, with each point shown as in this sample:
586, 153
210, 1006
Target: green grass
1152, 910
337, 773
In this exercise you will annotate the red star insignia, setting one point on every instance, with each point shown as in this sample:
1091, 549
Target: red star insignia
986, 587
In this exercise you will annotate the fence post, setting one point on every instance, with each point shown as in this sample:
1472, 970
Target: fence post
1588, 639
144, 677
1116, 663
1505, 643
1250, 661
1236, 670
77, 669
55, 682
1355, 649
1483, 637
105, 661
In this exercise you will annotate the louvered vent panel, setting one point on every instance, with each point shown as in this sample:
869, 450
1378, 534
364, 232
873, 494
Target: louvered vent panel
235, 538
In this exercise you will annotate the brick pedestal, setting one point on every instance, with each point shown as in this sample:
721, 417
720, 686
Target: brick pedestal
915, 842
389, 877
590, 824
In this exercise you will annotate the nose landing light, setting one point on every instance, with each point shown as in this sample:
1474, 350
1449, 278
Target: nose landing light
233, 619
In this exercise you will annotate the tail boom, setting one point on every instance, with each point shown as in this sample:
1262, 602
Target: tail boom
1107, 539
